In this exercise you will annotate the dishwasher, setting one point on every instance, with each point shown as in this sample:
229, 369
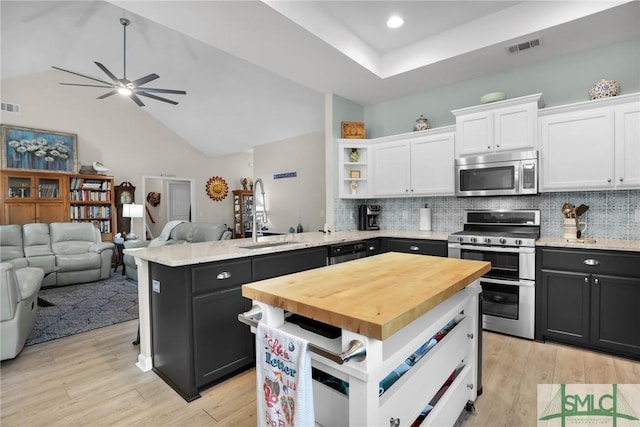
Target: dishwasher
342, 252
337, 253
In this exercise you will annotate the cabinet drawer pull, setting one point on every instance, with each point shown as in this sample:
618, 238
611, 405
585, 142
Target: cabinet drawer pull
223, 275
586, 280
596, 281
414, 248
591, 262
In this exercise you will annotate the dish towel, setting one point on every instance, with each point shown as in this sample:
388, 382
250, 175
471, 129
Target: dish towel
283, 379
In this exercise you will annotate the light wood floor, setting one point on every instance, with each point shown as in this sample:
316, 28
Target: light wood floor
90, 380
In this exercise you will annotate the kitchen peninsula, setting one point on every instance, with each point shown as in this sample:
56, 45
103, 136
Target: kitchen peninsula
235, 249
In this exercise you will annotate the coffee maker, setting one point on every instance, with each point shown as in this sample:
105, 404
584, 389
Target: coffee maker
368, 217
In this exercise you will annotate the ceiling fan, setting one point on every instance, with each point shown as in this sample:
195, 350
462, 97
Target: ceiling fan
123, 86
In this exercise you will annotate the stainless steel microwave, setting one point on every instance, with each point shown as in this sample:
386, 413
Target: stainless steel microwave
501, 174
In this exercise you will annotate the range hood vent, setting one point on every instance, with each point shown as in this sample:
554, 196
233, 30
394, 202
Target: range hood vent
524, 45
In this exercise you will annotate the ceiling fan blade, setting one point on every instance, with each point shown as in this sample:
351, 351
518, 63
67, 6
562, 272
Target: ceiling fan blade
78, 84
108, 73
81, 75
145, 79
136, 99
157, 98
152, 89
113, 92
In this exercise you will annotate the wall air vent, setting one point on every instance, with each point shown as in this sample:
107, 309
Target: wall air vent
10, 108
524, 45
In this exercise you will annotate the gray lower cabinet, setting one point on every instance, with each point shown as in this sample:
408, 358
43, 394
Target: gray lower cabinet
374, 246
589, 298
196, 338
279, 264
416, 246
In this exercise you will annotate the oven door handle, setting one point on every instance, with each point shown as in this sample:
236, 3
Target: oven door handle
523, 283
492, 248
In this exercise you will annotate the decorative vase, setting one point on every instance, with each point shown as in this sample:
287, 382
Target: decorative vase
422, 123
354, 188
604, 89
299, 228
354, 155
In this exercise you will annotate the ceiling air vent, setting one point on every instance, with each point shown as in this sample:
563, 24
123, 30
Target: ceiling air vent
524, 45
10, 108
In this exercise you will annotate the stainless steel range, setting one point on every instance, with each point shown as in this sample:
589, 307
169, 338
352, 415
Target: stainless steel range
506, 238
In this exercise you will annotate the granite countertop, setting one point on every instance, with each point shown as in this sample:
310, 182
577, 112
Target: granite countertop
602, 244
392, 289
196, 253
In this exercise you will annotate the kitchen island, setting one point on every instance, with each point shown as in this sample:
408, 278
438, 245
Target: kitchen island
391, 305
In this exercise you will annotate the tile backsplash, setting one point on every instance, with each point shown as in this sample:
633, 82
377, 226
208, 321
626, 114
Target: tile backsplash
611, 214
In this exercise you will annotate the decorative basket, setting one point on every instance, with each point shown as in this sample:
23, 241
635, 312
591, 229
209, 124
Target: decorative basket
604, 89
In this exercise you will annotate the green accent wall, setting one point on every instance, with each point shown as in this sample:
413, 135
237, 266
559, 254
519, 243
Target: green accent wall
563, 80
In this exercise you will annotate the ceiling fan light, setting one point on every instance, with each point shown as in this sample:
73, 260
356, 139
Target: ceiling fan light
395, 22
124, 91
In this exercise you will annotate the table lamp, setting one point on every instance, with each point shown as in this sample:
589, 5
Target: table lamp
132, 211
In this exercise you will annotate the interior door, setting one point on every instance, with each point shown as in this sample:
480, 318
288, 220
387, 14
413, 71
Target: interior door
179, 200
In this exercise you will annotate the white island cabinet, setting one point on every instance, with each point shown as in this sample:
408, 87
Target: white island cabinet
393, 305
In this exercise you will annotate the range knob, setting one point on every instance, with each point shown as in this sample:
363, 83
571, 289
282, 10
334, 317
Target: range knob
460, 239
487, 240
518, 242
503, 240
473, 240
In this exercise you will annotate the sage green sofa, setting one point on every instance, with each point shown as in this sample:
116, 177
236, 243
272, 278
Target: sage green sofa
19, 287
176, 234
68, 252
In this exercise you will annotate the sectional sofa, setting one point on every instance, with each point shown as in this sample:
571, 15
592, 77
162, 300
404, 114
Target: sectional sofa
176, 233
68, 252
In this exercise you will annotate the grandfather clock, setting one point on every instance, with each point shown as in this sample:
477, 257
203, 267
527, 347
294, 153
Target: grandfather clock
124, 194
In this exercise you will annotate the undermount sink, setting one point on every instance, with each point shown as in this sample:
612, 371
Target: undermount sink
264, 245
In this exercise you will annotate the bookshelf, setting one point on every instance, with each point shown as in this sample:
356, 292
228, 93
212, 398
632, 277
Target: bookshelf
91, 200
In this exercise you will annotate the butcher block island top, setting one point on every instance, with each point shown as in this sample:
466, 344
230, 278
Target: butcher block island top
374, 296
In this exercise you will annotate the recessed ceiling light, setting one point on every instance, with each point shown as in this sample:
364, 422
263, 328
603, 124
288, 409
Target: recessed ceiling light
395, 22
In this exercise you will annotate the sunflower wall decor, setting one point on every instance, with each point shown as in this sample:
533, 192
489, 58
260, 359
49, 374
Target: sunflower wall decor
217, 188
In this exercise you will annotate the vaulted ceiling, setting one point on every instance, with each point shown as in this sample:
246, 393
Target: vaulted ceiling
257, 71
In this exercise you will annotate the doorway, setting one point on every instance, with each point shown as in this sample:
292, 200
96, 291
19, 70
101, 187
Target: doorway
177, 201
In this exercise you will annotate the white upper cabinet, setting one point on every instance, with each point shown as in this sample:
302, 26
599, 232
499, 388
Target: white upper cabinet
417, 164
627, 142
391, 170
432, 161
591, 145
499, 126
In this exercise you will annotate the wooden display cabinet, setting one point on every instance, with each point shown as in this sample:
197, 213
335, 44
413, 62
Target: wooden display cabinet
33, 197
242, 213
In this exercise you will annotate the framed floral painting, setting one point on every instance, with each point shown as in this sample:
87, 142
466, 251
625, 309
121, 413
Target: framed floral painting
39, 150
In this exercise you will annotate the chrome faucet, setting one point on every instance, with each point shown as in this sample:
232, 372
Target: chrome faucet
254, 232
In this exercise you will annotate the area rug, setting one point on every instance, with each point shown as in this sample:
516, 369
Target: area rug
84, 307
